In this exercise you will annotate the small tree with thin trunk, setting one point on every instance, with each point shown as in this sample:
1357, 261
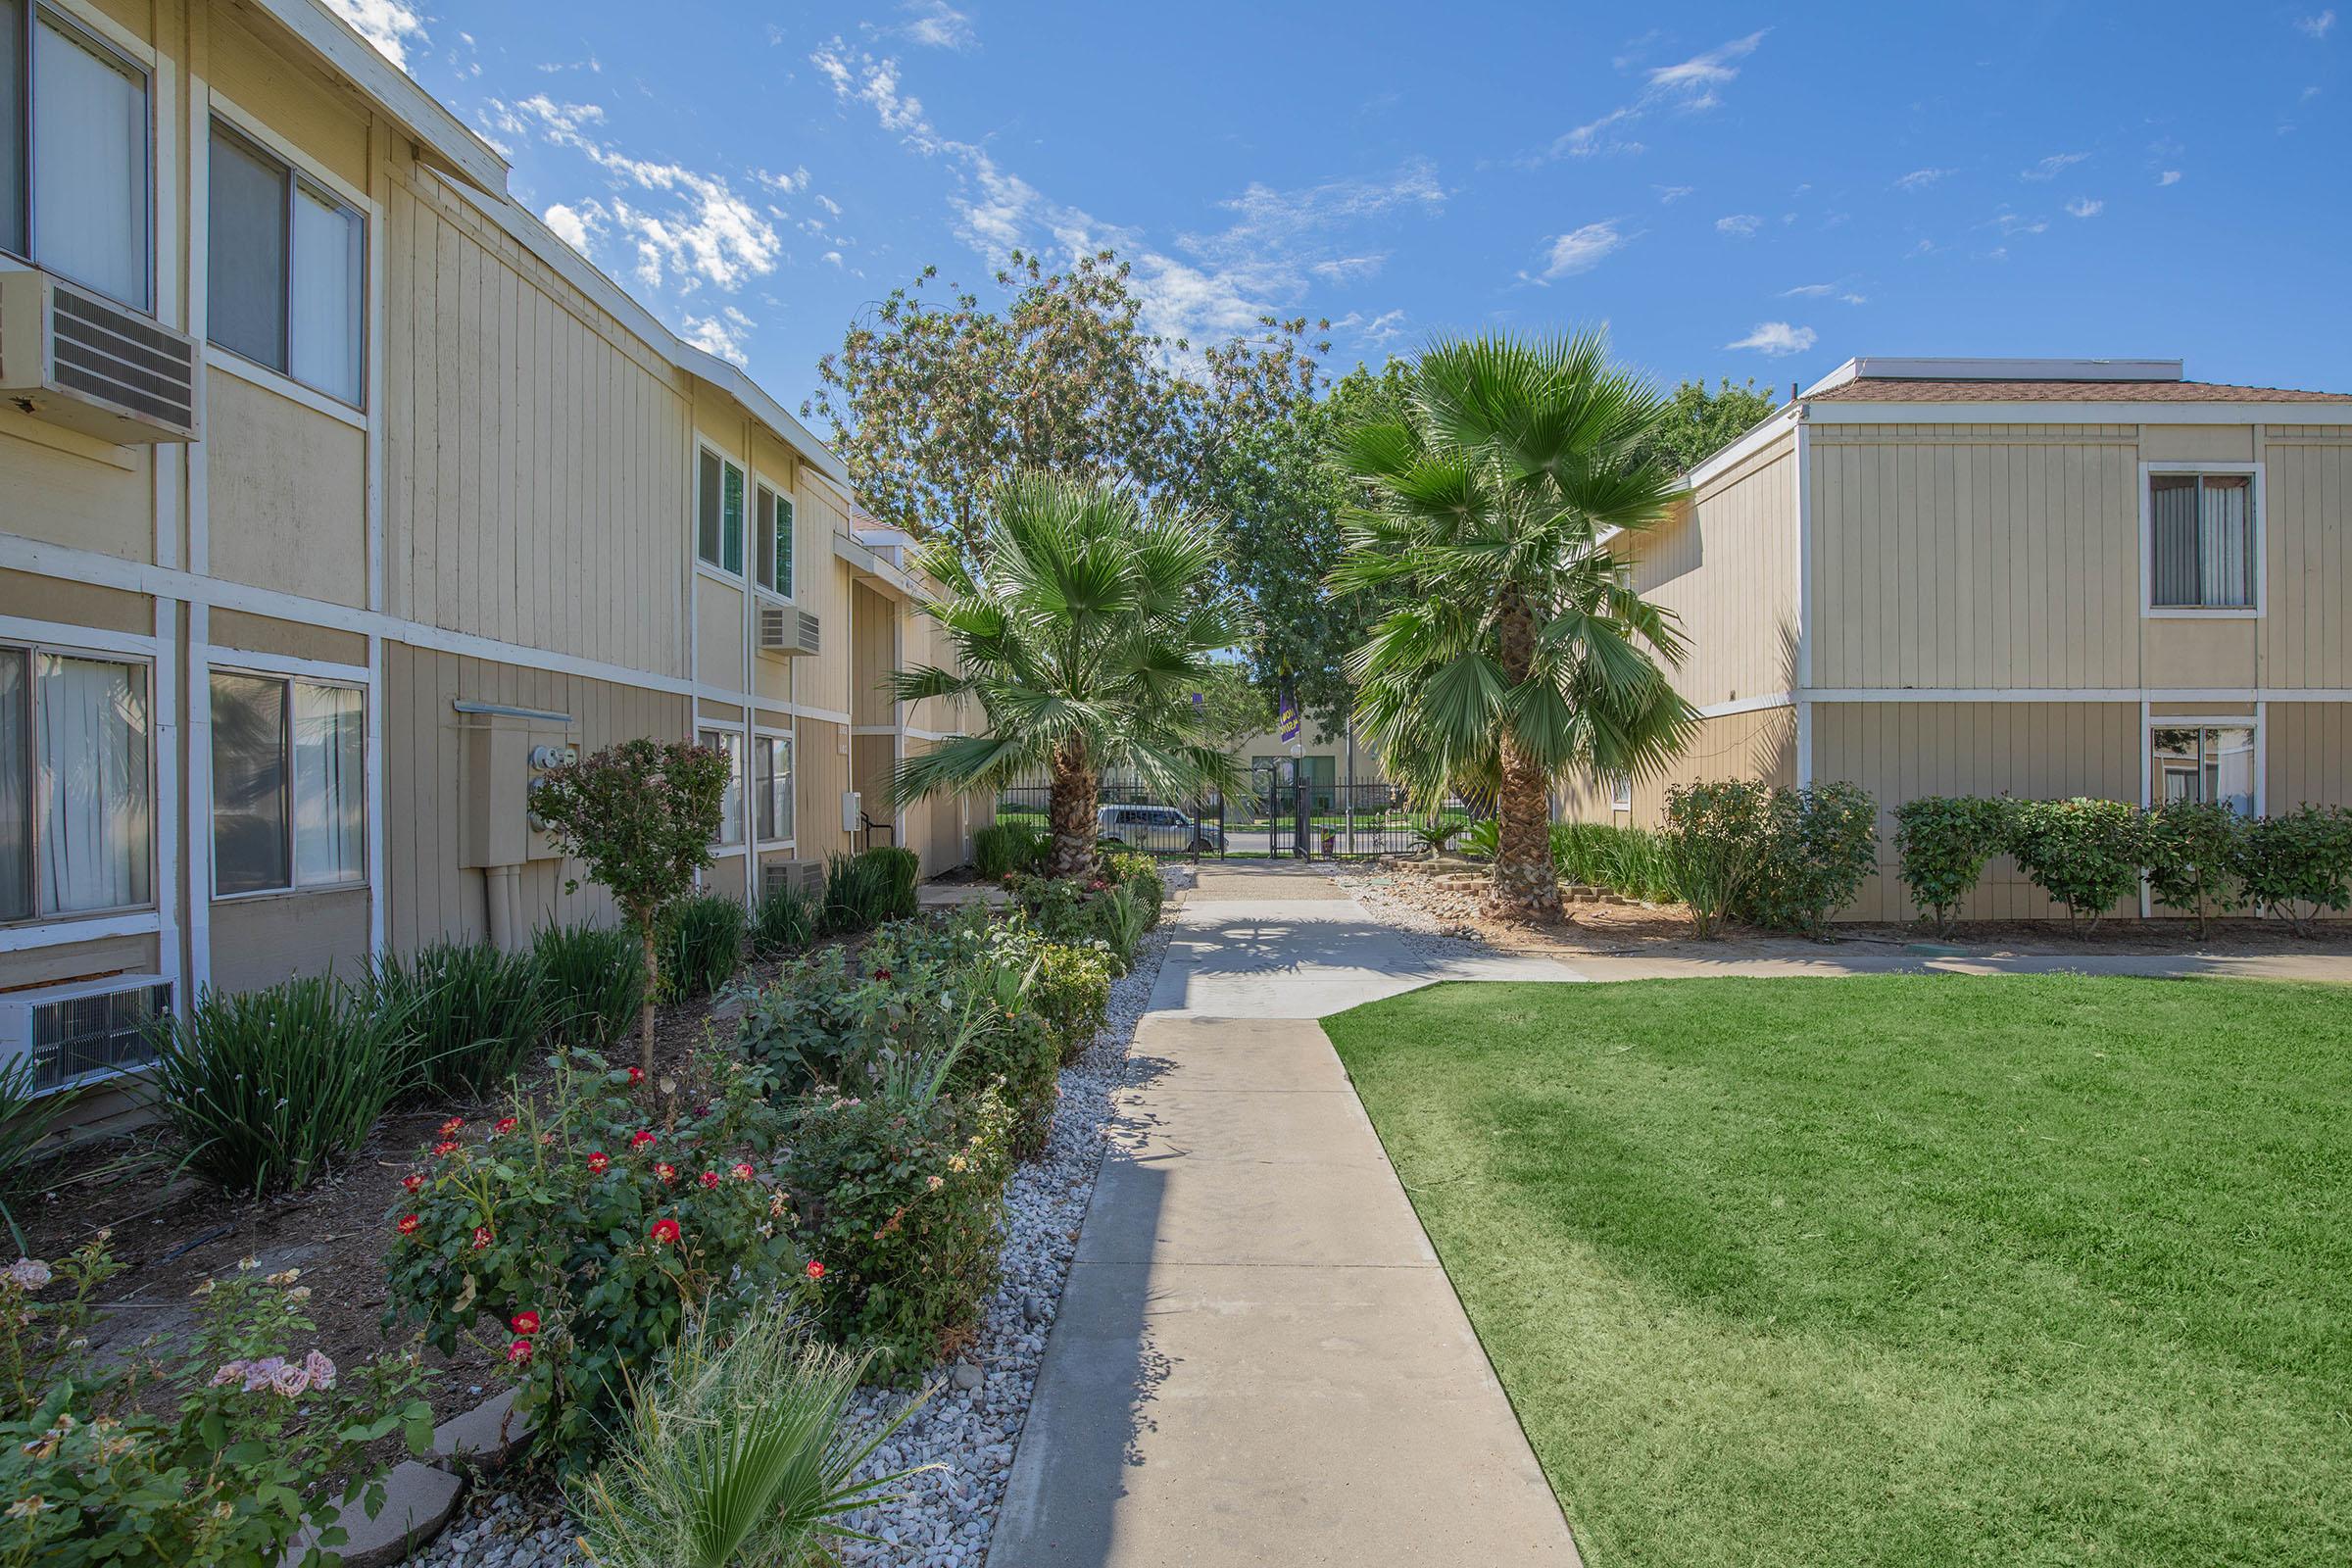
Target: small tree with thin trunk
642, 815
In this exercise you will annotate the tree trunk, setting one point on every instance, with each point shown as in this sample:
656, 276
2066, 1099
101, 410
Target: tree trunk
1525, 884
645, 1015
1071, 853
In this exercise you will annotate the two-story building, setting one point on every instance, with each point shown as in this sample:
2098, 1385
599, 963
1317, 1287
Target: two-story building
2035, 577
338, 499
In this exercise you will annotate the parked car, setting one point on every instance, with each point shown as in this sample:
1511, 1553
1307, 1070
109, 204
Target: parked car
1157, 827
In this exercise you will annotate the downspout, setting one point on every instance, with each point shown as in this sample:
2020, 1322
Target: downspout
502, 893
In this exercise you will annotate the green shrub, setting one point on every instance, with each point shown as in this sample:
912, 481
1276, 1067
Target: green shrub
1821, 841
782, 920
210, 1460
27, 1118
470, 1013
904, 869
735, 1453
1941, 844
899, 1192
1627, 860
862, 890
574, 1240
1123, 919
1140, 875
1483, 838
2192, 852
267, 1088
1714, 840
2298, 861
594, 981
820, 1018
1438, 833
2084, 853
702, 944
1000, 849
1071, 990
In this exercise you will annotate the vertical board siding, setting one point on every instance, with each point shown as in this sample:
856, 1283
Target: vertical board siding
2033, 751
2307, 493
1726, 565
2307, 755
1761, 745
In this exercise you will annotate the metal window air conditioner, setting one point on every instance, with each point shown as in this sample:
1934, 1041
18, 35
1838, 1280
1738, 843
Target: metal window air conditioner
86, 1031
80, 361
798, 876
787, 630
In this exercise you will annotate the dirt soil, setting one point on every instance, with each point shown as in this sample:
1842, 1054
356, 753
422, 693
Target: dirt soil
1663, 931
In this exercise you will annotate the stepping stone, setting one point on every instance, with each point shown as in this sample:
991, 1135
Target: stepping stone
486, 1438
418, 1501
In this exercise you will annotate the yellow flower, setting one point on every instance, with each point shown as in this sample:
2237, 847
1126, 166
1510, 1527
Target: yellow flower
284, 1279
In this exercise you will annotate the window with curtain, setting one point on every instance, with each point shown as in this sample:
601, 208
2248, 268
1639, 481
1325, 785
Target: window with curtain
772, 520
2201, 545
730, 810
771, 777
2209, 764
718, 513
74, 165
75, 785
287, 269
290, 784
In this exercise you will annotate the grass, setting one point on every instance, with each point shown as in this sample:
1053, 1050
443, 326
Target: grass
1900, 1269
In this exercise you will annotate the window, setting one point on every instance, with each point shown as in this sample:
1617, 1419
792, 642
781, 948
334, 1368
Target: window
74, 181
718, 513
75, 784
773, 521
290, 784
730, 810
287, 269
2211, 763
2201, 544
771, 775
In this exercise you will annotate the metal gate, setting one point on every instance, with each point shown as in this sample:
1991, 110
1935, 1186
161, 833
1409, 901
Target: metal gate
1329, 821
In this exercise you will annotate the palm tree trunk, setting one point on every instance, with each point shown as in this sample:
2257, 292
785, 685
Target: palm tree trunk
1074, 812
1526, 882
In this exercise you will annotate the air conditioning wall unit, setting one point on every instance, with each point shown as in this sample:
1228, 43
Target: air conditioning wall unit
82, 1032
787, 630
807, 877
80, 361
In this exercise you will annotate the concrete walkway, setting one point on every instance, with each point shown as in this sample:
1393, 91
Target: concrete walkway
1258, 1359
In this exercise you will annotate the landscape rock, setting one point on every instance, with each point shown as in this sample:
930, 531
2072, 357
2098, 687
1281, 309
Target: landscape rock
485, 1437
419, 1500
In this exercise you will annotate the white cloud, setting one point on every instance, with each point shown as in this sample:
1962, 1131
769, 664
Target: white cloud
572, 224
1825, 291
1580, 250
1668, 195
1922, 178
1689, 86
2018, 223
2318, 27
2052, 166
831, 256
1377, 331
721, 335
1347, 268
1740, 225
936, 24
1777, 338
2170, 177
389, 25
826, 202
2085, 207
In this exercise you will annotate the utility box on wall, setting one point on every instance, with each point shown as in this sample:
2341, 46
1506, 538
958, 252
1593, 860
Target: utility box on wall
505, 750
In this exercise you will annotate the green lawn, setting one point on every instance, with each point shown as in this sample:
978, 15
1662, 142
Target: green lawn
1899, 1270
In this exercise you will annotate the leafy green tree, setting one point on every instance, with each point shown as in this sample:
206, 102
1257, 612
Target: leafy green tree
1494, 501
1232, 707
642, 815
1082, 625
935, 402
1698, 424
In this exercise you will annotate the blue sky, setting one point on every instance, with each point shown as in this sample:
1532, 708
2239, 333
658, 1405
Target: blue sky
1741, 190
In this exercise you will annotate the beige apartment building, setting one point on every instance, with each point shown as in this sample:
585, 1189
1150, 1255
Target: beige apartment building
338, 499
2036, 577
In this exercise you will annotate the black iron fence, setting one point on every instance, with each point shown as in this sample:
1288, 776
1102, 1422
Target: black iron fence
1309, 820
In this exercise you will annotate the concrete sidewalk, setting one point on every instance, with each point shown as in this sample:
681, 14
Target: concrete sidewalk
1257, 1358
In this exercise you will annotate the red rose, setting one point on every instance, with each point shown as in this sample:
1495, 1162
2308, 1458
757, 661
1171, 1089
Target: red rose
665, 1230
666, 1170
445, 1148
481, 1236
407, 1224
709, 1178
411, 1181
636, 1076
881, 974
597, 1164
641, 1137
743, 1170
449, 1128
816, 1270
525, 1324
519, 1352
504, 1124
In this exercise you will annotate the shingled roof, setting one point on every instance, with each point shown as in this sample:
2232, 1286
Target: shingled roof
1888, 389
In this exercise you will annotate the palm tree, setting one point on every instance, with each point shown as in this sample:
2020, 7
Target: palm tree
1082, 627
1519, 654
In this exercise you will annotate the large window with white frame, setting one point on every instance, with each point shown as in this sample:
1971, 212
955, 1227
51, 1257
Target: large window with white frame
771, 523
290, 784
76, 784
719, 501
2209, 764
286, 274
2201, 529
772, 783
76, 191
730, 810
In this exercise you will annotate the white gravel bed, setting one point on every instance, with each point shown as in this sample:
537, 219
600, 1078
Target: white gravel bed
972, 1418
1377, 891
